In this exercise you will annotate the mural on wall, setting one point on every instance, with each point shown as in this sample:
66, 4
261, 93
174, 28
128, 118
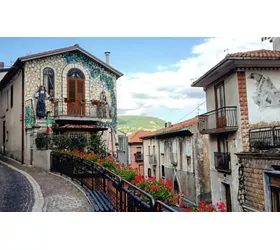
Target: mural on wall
41, 95
267, 94
263, 95
106, 81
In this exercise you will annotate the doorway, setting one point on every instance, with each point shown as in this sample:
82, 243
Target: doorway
4, 136
228, 197
75, 93
220, 104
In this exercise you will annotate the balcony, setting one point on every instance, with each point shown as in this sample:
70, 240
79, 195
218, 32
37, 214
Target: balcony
152, 159
138, 156
265, 138
76, 110
222, 162
218, 121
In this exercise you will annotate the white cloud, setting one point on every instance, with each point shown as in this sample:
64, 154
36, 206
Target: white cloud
143, 93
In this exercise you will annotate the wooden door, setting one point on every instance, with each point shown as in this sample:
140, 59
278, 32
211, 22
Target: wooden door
76, 92
228, 198
275, 193
220, 104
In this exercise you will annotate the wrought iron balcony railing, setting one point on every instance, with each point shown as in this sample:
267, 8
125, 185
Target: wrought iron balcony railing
265, 138
138, 156
152, 159
218, 121
125, 196
222, 161
79, 109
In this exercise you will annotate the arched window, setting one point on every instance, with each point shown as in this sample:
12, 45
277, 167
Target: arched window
75, 73
76, 92
48, 78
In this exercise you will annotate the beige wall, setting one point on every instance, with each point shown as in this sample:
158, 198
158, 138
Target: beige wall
154, 169
12, 117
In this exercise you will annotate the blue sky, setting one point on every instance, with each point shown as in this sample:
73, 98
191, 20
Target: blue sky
157, 71
129, 55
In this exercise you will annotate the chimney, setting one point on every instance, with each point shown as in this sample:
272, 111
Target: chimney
107, 54
276, 43
168, 124
1, 65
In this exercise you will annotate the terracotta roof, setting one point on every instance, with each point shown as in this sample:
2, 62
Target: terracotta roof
262, 53
175, 127
82, 126
135, 138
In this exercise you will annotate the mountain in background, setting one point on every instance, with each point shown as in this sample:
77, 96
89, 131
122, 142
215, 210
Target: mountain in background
132, 123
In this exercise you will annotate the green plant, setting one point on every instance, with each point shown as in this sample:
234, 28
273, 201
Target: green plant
97, 145
126, 173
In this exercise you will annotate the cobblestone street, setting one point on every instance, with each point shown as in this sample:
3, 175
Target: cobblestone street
58, 194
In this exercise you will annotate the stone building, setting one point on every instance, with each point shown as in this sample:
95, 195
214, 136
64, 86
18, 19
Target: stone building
135, 147
75, 87
180, 153
243, 104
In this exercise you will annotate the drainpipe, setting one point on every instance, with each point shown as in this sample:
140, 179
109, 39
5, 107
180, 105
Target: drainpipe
22, 117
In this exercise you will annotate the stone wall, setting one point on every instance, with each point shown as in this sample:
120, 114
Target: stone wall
251, 186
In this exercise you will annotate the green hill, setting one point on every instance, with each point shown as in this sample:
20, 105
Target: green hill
130, 123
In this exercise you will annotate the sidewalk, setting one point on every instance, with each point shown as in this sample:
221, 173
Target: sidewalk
59, 195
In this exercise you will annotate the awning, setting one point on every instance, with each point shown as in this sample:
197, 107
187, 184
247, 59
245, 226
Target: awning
81, 127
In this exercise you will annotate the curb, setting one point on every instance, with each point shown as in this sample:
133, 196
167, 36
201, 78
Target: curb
38, 196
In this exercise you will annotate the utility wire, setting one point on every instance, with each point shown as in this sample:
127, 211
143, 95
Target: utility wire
191, 111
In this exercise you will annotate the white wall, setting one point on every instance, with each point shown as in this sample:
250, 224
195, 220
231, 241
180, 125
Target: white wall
268, 90
12, 117
41, 159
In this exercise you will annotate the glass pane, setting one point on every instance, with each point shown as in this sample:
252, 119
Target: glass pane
80, 89
72, 89
48, 71
75, 73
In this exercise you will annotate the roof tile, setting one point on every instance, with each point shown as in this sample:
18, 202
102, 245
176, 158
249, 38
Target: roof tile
175, 127
262, 53
135, 138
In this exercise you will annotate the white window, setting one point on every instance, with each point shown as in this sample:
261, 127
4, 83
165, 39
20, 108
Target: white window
188, 148
174, 146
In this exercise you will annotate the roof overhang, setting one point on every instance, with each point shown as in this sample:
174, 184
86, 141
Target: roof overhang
21, 60
179, 132
231, 63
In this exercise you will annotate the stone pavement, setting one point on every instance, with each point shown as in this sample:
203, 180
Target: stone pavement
59, 194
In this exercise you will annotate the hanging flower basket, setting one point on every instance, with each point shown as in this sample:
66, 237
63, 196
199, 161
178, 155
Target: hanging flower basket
98, 102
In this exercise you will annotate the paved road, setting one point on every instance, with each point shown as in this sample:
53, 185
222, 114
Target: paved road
16, 193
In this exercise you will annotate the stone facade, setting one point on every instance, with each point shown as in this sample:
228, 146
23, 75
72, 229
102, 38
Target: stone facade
97, 79
251, 174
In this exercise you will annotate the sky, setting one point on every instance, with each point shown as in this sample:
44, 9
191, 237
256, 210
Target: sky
157, 72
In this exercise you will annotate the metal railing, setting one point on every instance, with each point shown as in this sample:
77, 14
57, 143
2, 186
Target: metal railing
225, 117
222, 161
126, 196
78, 109
152, 159
264, 138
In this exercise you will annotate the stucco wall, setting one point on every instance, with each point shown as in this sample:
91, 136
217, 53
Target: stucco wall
139, 165
234, 144
12, 117
154, 169
41, 159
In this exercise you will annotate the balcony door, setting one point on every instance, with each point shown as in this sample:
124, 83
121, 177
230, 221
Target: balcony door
75, 92
220, 104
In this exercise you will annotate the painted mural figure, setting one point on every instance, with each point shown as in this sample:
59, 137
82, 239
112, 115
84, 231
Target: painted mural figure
267, 95
41, 95
104, 105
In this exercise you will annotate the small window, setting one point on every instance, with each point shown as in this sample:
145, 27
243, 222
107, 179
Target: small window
12, 96
174, 147
161, 147
138, 149
162, 171
149, 150
48, 78
188, 148
75, 73
149, 172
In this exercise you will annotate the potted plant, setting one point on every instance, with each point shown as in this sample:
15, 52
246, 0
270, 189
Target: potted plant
53, 100
82, 100
68, 100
